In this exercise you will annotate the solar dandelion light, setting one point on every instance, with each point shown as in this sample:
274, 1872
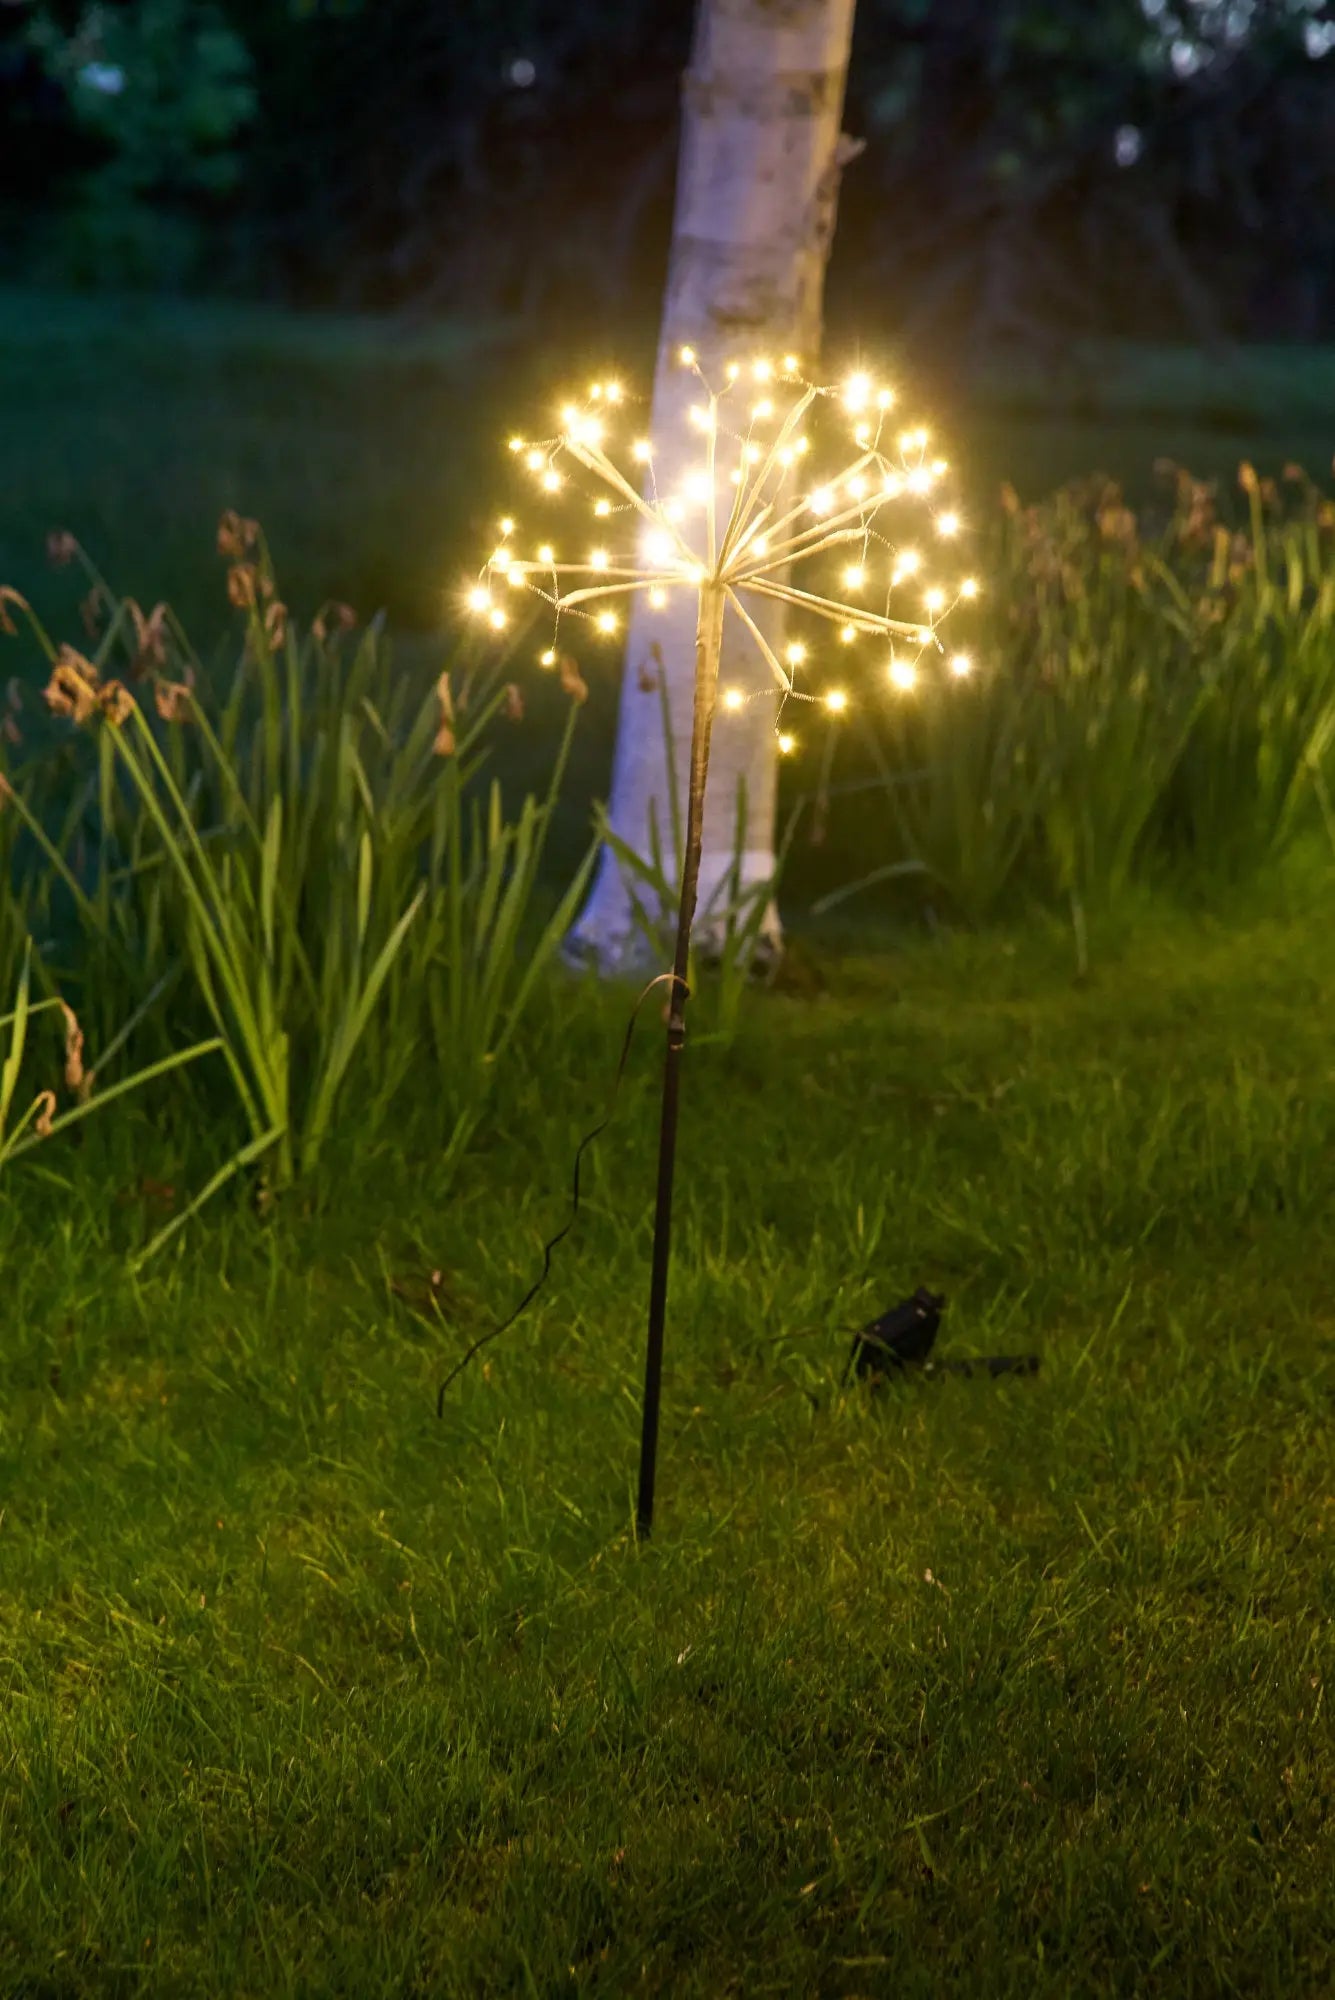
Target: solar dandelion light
790, 510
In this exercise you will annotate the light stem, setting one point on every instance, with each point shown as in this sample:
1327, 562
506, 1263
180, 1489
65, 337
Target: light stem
708, 644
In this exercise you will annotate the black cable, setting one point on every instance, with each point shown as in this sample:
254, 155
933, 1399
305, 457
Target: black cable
494, 1332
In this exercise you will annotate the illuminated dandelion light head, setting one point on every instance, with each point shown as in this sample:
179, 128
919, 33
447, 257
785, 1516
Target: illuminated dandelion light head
797, 496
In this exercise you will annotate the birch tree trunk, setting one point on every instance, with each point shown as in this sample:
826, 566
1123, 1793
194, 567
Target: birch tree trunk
758, 176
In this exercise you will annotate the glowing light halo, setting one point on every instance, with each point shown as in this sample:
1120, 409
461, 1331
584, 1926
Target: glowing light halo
749, 547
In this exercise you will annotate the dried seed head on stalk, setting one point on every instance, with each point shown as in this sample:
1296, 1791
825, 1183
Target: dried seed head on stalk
72, 688
116, 702
236, 535
46, 1111
150, 639
443, 745
91, 612
242, 585
75, 690
173, 699
573, 682
10, 596
333, 618
795, 498
77, 1079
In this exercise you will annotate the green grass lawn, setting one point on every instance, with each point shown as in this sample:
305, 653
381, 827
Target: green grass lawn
978, 1688
974, 1687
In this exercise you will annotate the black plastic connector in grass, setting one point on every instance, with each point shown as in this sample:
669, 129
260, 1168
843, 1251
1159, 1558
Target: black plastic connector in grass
901, 1341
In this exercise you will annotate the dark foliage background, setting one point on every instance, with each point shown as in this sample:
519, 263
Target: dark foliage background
1034, 169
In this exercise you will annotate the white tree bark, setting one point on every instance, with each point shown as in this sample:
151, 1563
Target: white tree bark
758, 176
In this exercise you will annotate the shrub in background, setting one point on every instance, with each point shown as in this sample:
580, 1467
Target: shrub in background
164, 89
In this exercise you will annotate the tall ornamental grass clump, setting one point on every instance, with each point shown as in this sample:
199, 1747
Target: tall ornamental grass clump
301, 856
23, 1126
1257, 761
1149, 696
